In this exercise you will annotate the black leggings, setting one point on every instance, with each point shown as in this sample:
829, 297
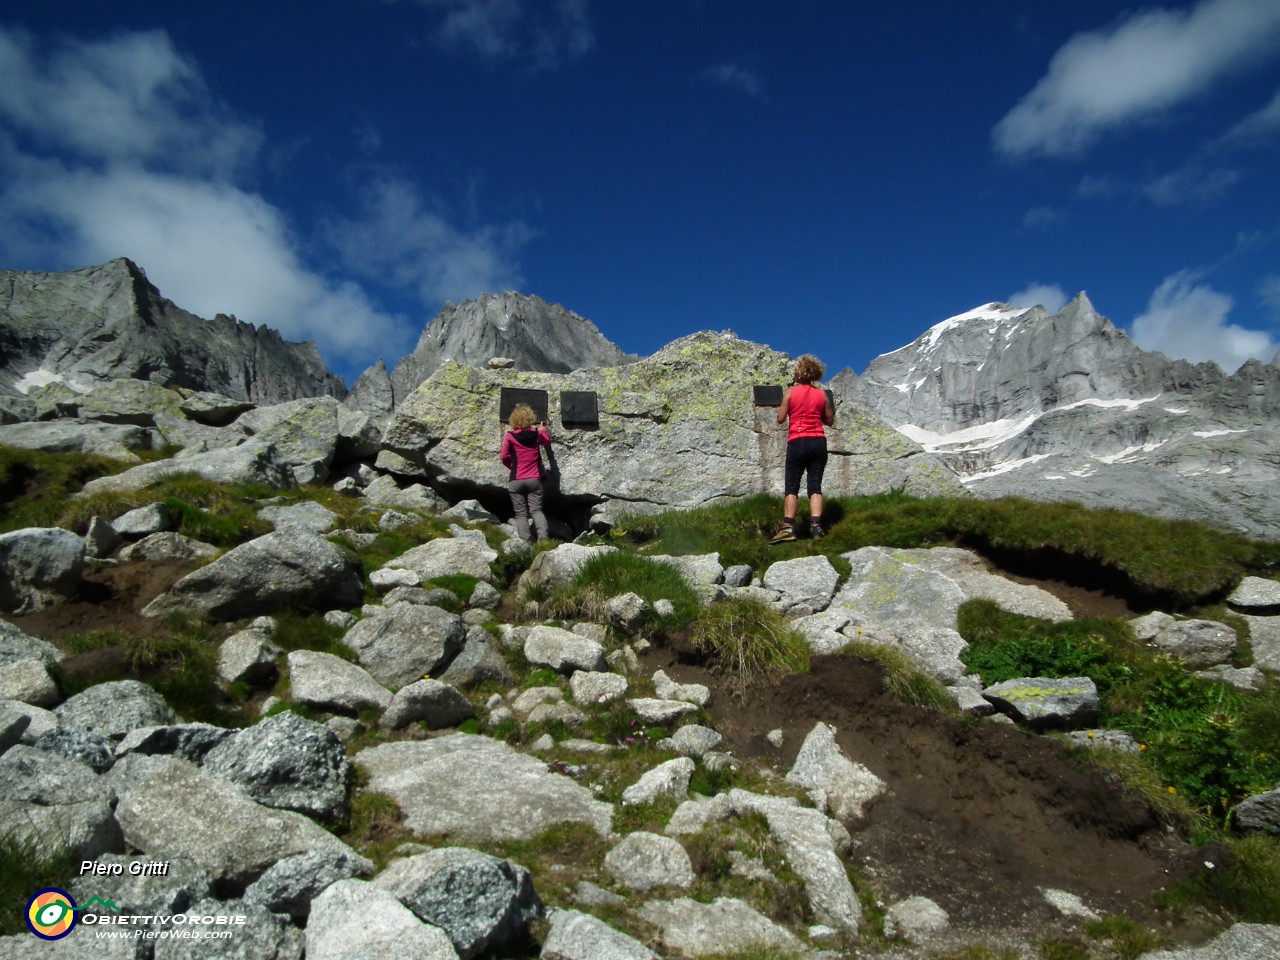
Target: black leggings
805, 455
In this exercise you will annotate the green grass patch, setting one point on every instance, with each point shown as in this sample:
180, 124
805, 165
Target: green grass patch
302, 630
979, 953
610, 574
750, 642
180, 663
461, 585
398, 541
35, 486
1209, 743
376, 826
1003, 646
28, 867
1247, 886
183, 668
1179, 564
1123, 938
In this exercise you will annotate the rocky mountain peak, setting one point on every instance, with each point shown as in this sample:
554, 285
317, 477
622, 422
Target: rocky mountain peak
1066, 407
537, 335
998, 362
86, 327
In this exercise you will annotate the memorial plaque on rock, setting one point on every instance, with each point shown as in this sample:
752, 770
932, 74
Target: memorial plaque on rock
578, 408
765, 396
536, 399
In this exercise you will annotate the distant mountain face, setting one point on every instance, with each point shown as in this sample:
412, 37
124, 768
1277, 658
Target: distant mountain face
1066, 407
536, 335
86, 327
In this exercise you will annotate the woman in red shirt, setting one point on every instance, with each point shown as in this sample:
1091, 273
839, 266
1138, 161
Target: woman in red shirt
809, 409
522, 455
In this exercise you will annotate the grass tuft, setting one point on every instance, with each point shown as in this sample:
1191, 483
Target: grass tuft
1247, 887
28, 867
608, 575
750, 642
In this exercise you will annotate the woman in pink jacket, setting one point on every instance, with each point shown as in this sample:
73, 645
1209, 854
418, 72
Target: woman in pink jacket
522, 455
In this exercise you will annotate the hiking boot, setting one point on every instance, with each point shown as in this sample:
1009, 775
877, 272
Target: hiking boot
816, 532
785, 534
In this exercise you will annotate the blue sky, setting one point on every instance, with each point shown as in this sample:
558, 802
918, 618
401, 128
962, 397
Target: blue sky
825, 177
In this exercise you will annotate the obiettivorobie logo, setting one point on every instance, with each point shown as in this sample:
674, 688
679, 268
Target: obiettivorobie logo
51, 913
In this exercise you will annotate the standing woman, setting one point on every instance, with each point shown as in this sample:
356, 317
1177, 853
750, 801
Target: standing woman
809, 409
522, 456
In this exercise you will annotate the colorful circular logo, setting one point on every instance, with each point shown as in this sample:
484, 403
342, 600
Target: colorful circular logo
51, 914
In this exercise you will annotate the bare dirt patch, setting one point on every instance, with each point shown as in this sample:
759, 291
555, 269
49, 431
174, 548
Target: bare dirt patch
111, 597
979, 817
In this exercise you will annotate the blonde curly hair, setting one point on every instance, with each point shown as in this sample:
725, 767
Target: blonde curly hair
521, 417
809, 369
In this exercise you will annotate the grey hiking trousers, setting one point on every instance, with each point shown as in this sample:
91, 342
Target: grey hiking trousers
526, 500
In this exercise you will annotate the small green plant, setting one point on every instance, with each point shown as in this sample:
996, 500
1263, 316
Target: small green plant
1057, 949
29, 866
979, 953
183, 668
607, 575
225, 522
749, 641
902, 678
461, 585
94, 640
1246, 886
1210, 742
376, 825
296, 630
1005, 645
1126, 939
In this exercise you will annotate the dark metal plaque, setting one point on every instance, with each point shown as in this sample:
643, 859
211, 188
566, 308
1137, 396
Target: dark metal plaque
766, 396
537, 399
579, 408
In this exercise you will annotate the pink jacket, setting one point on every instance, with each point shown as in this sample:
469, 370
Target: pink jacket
521, 455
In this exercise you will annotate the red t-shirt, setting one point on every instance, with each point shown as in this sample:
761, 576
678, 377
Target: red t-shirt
805, 411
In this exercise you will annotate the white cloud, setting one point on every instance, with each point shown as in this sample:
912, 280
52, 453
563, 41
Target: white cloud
1257, 127
396, 239
1093, 187
1188, 321
1047, 295
737, 78
149, 184
1146, 64
129, 98
542, 34
1191, 184
1269, 291
1042, 218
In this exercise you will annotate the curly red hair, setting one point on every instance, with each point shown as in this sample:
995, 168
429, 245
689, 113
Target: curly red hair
809, 369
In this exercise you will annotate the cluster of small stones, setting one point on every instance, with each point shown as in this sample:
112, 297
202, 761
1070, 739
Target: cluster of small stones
239, 817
